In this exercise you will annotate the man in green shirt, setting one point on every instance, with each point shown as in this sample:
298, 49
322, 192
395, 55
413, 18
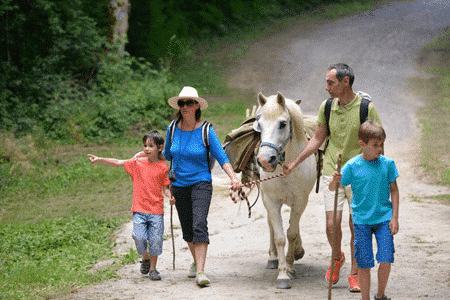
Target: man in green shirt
344, 125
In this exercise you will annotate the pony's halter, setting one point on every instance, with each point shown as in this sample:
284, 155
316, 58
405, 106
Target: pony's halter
281, 155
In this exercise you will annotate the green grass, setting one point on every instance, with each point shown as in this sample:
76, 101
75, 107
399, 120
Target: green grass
434, 117
41, 260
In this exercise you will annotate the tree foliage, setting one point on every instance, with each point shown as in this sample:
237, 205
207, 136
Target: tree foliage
60, 75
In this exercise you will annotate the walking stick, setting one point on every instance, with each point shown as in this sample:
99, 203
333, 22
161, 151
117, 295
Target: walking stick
171, 233
334, 229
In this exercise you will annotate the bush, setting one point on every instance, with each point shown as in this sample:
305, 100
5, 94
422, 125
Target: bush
128, 93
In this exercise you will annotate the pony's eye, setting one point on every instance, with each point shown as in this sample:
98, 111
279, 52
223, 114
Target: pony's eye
283, 124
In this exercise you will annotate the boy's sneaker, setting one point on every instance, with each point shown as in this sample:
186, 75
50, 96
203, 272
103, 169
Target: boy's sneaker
145, 266
154, 275
382, 298
337, 269
202, 280
353, 284
193, 270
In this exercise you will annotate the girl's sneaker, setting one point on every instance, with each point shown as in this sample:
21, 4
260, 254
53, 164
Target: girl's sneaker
154, 275
145, 266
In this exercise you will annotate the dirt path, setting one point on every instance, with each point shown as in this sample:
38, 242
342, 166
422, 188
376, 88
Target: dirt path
238, 253
239, 245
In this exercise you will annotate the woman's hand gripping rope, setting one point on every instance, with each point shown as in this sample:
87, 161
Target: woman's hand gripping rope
241, 194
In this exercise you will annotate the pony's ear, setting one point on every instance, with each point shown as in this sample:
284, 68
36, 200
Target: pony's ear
262, 99
280, 99
298, 101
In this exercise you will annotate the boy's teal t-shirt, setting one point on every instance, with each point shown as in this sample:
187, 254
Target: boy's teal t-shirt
370, 181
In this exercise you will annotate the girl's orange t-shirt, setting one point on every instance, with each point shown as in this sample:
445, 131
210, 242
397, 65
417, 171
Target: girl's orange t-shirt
148, 181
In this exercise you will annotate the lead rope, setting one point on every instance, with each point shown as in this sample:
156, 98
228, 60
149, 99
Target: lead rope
242, 196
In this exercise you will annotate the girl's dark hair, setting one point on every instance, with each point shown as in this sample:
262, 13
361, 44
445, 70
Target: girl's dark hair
198, 115
155, 136
371, 130
343, 70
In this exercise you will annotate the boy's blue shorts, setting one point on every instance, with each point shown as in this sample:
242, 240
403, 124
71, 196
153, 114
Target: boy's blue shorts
148, 231
364, 248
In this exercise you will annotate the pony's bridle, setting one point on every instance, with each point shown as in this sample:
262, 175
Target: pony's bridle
281, 155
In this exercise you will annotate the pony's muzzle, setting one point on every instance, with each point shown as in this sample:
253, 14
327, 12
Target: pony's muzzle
268, 163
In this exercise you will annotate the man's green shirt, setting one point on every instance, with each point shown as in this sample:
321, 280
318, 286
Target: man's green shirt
344, 126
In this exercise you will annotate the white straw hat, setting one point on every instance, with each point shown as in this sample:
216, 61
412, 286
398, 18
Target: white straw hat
188, 93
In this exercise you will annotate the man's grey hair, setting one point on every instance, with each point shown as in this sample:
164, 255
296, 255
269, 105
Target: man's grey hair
343, 70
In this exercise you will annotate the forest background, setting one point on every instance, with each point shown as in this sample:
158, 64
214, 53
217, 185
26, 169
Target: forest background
66, 90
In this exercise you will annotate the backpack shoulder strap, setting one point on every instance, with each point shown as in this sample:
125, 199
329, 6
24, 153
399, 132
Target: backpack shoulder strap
364, 109
205, 133
172, 125
328, 112
205, 137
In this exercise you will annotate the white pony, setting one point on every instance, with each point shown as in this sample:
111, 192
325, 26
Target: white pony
283, 137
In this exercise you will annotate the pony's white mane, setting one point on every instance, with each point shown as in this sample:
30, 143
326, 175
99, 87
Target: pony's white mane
297, 118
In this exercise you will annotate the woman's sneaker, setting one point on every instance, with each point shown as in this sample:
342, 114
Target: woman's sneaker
145, 266
202, 280
154, 275
193, 270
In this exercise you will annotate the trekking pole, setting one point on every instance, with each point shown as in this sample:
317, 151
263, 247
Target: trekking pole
173, 239
334, 229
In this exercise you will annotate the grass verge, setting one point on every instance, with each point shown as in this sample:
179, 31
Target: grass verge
39, 261
435, 116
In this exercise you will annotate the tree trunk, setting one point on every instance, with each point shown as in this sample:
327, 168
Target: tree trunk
118, 11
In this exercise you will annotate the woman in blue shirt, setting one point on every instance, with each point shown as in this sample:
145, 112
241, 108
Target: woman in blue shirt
192, 188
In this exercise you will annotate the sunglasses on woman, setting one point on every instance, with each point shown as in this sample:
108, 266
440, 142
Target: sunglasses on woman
188, 103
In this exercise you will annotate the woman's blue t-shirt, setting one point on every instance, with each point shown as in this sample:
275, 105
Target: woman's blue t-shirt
189, 155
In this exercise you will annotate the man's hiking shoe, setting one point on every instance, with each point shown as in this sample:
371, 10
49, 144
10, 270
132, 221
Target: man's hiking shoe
145, 266
337, 269
382, 298
202, 280
353, 284
193, 270
154, 275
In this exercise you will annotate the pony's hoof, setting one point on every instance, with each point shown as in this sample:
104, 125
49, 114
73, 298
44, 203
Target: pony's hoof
272, 264
283, 284
299, 255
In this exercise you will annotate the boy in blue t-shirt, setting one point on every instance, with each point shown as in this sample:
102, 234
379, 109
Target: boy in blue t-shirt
372, 177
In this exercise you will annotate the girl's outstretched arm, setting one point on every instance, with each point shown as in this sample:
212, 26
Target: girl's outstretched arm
110, 161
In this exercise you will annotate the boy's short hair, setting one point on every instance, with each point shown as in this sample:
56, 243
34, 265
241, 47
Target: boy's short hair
155, 136
371, 130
